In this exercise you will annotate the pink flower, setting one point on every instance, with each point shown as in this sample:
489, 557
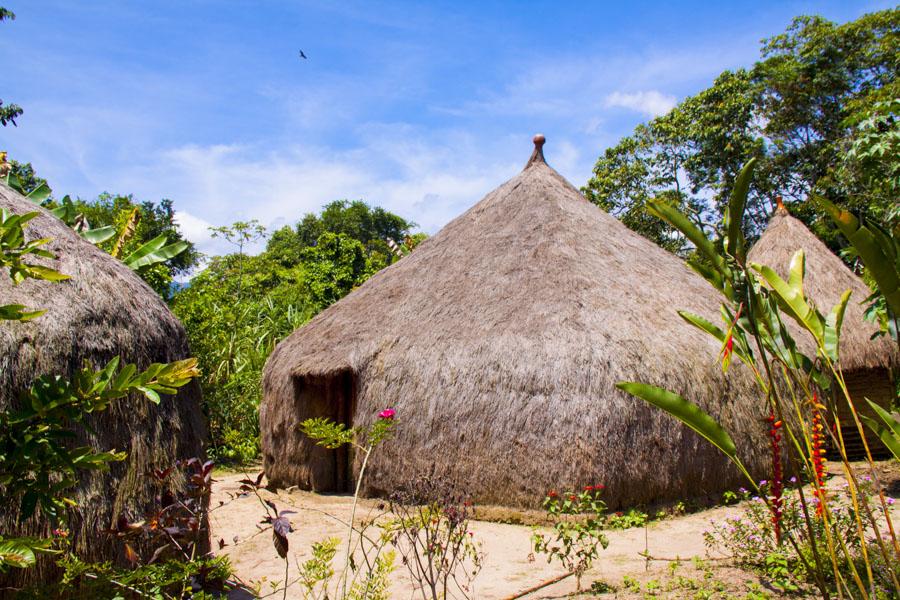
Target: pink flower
387, 413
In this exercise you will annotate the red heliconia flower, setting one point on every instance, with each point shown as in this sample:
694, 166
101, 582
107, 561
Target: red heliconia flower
817, 457
589, 488
387, 414
728, 345
552, 494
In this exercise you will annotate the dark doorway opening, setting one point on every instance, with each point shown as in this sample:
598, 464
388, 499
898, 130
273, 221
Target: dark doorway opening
331, 396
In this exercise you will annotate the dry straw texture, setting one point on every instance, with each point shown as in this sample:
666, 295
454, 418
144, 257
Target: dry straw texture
499, 342
104, 311
827, 278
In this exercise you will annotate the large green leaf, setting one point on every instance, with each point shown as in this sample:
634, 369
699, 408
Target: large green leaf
153, 252
40, 193
735, 214
15, 554
873, 250
99, 235
674, 217
687, 412
790, 294
17, 312
832, 331
887, 436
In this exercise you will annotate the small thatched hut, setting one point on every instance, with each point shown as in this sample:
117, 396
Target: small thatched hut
499, 342
104, 311
866, 363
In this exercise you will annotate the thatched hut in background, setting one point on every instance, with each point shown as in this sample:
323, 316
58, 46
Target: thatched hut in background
499, 342
865, 362
104, 311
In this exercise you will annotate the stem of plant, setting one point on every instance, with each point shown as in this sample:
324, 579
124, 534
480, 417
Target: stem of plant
362, 471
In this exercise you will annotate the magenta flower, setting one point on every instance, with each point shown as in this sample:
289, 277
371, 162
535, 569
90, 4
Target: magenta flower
387, 413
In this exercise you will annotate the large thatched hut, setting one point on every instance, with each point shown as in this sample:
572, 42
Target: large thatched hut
104, 311
866, 363
499, 342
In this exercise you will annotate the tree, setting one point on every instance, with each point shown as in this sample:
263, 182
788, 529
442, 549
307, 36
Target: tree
240, 306
372, 227
240, 234
333, 267
797, 111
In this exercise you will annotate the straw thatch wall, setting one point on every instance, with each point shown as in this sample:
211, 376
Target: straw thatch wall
105, 310
867, 364
499, 341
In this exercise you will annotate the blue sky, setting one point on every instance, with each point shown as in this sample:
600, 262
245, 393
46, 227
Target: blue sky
420, 108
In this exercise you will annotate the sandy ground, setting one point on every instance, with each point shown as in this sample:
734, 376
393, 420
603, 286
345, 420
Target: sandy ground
508, 568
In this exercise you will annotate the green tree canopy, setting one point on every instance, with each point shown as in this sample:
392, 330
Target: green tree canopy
240, 306
799, 110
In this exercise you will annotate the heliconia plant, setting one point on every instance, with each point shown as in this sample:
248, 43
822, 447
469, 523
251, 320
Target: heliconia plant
757, 302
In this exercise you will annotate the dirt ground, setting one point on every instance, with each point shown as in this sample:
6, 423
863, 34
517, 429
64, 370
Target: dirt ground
509, 568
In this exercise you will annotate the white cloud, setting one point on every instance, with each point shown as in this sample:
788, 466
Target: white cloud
193, 228
428, 178
652, 103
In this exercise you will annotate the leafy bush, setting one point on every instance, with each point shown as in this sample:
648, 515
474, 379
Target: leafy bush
628, 519
38, 462
578, 523
750, 537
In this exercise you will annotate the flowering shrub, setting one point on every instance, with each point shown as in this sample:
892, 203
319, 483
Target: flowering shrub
431, 533
630, 518
578, 529
369, 580
751, 539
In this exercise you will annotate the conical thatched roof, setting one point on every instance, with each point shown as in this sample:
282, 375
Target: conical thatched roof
499, 342
827, 278
105, 310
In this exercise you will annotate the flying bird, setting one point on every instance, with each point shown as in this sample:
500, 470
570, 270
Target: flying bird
302, 55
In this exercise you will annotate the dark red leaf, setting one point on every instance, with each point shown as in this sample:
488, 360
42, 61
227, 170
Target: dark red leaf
272, 506
280, 528
222, 543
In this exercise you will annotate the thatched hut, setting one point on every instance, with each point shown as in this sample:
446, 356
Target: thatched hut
104, 311
499, 342
866, 363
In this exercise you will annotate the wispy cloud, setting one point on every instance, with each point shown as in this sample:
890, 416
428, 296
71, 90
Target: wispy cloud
651, 103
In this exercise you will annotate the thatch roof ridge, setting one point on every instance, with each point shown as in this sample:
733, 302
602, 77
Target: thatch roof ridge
509, 328
104, 310
827, 278
696, 297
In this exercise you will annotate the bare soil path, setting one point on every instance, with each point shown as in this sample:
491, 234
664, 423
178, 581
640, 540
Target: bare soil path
508, 567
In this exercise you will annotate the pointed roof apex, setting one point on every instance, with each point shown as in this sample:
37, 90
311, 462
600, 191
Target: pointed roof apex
538, 155
779, 207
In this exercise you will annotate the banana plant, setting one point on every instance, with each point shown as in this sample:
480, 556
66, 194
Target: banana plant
65, 212
154, 252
